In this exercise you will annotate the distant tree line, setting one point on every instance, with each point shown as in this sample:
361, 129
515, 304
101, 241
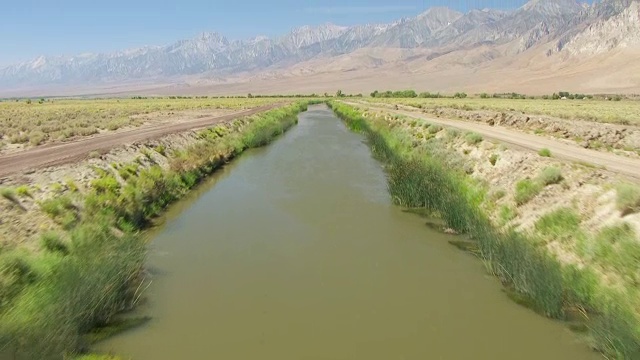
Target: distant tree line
402, 94
339, 93
566, 95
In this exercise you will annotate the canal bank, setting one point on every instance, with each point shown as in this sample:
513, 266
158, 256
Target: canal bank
297, 251
54, 297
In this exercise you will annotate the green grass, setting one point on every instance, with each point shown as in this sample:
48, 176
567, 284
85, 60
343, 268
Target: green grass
615, 247
526, 190
551, 175
23, 191
52, 242
493, 159
473, 138
9, 194
628, 198
507, 214
73, 291
544, 152
562, 224
62, 209
434, 129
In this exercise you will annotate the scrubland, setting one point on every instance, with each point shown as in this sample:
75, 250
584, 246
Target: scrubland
24, 124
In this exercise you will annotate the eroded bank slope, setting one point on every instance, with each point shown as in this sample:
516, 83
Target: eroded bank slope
562, 237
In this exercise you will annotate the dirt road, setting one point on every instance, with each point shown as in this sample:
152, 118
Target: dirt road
76, 150
619, 164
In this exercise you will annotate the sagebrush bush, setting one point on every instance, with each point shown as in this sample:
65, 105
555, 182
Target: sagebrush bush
551, 175
23, 190
526, 190
434, 129
493, 159
52, 242
628, 198
544, 152
562, 224
9, 194
473, 138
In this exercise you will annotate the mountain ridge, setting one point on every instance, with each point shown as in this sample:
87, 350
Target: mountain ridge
564, 27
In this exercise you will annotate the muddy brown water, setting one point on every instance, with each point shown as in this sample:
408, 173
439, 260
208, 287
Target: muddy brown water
295, 251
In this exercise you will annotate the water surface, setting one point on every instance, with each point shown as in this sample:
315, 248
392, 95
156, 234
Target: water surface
295, 252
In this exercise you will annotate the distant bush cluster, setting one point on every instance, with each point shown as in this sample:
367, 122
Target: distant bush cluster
410, 94
561, 95
564, 95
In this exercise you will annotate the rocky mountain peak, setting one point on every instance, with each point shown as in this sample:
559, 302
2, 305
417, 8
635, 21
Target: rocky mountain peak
585, 29
306, 35
552, 7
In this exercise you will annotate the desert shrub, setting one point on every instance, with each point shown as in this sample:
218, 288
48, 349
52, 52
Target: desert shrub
452, 133
23, 191
434, 129
562, 224
161, 149
628, 198
526, 190
9, 194
544, 152
106, 183
115, 124
473, 138
53, 243
57, 205
128, 171
71, 185
16, 272
507, 214
57, 188
493, 159
550, 175
36, 138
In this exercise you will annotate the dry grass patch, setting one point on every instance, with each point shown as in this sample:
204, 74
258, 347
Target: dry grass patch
616, 112
56, 120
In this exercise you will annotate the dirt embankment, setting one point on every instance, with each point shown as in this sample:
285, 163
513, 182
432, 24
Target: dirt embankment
619, 139
76, 150
616, 163
67, 169
554, 187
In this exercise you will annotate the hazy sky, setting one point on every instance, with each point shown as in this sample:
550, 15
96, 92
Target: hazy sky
29, 28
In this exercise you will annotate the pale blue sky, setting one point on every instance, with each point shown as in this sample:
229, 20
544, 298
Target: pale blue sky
29, 28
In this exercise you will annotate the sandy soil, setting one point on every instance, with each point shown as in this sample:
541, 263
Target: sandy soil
76, 150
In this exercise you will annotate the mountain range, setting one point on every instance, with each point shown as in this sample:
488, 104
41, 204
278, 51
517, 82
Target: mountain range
544, 38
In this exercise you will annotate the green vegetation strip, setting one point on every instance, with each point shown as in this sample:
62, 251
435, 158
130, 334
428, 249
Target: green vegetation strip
80, 280
418, 178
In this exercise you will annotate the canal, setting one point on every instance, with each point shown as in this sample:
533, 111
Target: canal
295, 251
